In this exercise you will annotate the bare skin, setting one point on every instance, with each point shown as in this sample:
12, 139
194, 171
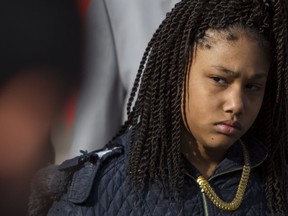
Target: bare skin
225, 89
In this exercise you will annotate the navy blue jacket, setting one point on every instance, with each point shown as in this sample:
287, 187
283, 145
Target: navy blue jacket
100, 186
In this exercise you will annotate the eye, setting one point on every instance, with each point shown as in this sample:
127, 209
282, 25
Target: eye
253, 87
219, 80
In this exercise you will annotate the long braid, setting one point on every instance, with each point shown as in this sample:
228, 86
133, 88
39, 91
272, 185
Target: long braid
180, 64
144, 119
154, 115
278, 147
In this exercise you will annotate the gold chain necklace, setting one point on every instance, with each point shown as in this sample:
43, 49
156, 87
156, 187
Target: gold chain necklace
237, 200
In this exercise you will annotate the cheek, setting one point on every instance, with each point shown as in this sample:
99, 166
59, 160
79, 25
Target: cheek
201, 102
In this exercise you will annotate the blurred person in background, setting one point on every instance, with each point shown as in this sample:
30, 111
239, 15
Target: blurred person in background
40, 49
117, 32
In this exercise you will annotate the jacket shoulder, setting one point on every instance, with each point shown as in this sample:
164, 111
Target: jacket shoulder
83, 179
74, 178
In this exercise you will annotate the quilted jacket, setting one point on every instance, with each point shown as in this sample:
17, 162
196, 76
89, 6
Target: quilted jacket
100, 186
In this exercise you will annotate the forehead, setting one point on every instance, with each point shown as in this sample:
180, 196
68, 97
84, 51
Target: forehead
232, 35
236, 52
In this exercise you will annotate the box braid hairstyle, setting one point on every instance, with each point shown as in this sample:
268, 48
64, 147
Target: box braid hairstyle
154, 107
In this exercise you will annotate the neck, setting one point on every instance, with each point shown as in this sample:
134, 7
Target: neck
205, 159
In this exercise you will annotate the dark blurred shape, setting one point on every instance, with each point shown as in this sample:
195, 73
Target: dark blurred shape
40, 62
40, 32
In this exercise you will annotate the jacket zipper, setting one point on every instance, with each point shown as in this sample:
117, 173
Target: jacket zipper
205, 205
206, 212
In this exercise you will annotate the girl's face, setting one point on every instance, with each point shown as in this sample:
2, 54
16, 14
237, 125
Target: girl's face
225, 88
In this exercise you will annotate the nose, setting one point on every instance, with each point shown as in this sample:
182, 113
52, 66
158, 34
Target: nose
235, 102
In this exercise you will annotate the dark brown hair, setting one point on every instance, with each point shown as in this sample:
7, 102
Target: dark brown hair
154, 116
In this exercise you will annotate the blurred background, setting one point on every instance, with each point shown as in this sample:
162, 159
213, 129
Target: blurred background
116, 34
66, 70
62, 133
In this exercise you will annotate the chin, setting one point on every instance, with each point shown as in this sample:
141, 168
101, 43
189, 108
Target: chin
220, 141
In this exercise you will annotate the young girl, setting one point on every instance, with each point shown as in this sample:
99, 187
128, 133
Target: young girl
207, 134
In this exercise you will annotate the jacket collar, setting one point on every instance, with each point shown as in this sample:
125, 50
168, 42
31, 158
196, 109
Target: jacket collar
234, 159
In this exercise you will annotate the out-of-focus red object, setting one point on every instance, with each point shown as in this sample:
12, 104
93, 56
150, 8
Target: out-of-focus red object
69, 114
83, 6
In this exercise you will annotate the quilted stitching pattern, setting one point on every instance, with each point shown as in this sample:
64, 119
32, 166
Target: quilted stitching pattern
112, 195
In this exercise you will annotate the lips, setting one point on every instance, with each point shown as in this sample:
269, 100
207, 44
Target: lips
228, 127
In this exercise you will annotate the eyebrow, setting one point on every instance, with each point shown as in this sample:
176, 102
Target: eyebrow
236, 74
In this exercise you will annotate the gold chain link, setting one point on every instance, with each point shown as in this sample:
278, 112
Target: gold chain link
236, 202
